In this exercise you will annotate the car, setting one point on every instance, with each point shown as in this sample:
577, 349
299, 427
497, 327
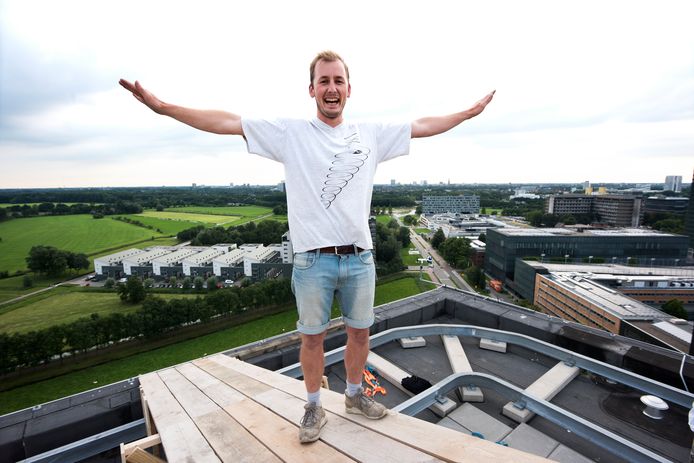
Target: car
228, 282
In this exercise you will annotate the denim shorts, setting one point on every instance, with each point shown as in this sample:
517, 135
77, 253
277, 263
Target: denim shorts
317, 278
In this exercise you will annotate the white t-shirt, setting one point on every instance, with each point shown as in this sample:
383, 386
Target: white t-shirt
329, 174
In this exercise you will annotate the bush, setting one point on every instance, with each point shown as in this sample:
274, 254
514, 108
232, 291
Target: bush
27, 281
109, 283
211, 283
148, 283
187, 283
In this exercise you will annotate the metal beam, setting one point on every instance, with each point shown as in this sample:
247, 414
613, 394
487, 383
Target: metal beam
619, 375
93, 445
614, 443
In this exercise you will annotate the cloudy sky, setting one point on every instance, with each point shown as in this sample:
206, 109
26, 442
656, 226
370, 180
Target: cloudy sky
586, 90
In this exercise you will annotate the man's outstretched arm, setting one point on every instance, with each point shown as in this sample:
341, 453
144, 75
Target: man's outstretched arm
428, 126
209, 120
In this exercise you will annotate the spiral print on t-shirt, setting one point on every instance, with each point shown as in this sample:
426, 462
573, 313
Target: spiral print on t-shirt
344, 166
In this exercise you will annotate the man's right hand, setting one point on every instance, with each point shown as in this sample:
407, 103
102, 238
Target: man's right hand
143, 96
209, 120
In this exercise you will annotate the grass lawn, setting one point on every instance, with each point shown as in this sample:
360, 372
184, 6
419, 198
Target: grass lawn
491, 210
243, 211
422, 230
407, 258
384, 219
394, 288
76, 233
167, 226
196, 218
57, 307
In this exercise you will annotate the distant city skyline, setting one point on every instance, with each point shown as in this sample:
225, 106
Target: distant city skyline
582, 91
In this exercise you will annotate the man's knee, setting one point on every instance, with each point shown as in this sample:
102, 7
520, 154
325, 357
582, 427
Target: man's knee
358, 335
312, 341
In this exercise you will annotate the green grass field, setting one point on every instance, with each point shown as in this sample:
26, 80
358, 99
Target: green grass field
243, 211
167, 226
76, 233
394, 288
196, 218
407, 258
422, 230
384, 219
63, 305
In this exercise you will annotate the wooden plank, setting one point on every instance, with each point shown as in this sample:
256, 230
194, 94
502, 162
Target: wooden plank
230, 441
460, 364
181, 439
278, 434
344, 435
438, 441
140, 456
144, 443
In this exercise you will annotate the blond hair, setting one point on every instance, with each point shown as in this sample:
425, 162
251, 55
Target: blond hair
327, 55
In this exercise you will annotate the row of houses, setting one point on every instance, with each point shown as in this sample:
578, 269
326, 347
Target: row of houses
226, 261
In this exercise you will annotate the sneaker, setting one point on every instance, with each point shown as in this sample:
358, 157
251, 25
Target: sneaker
361, 404
312, 422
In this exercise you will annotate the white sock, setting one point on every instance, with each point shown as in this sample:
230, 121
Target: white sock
313, 397
352, 389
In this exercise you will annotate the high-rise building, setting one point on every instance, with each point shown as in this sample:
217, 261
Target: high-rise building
689, 219
673, 183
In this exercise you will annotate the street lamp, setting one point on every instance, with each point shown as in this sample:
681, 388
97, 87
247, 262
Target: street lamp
566, 258
614, 259
590, 259
652, 261
542, 257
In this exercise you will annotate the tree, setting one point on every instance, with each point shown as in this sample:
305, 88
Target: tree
475, 276
187, 283
148, 283
77, 261
456, 251
483, 237
404, 236
438, 238
46, 259
675, 307
109, 283
27, 281
418, 210
212, 283
132, 291
173, 282
198, 283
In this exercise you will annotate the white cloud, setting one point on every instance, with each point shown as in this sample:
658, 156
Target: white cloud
600, 90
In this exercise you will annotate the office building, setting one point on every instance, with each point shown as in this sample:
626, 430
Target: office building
673, 183
451, 204
287, 249
668, 205
614, 210
634, 246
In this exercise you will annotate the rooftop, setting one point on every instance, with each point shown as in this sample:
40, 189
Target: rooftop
596, 416
569, 232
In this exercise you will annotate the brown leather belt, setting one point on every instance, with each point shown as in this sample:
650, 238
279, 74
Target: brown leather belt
339, 250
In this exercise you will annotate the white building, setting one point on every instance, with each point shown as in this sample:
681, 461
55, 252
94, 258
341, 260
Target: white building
287, 249
202, 259
145, 258
233, 258
114, 259
260, 254
673, 183
174, 259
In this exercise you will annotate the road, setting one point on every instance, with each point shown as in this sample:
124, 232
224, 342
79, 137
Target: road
443, 272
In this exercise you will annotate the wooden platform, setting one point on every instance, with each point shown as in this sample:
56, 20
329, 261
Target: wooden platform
221, 409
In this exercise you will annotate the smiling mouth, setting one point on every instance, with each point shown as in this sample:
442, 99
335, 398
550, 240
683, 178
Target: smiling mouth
331, 101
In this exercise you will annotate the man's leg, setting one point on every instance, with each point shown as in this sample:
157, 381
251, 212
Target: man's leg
312, 360
356, 353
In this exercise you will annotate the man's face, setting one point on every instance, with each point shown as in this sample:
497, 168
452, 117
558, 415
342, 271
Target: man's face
331, 89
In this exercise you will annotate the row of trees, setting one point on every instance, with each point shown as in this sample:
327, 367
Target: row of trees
390, 239
265, 232
156, 317
52, 261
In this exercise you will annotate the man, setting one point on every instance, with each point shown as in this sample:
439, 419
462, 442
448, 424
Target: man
329, 169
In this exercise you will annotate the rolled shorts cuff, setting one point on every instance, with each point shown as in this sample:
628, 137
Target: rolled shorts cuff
358, 324
311, 329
